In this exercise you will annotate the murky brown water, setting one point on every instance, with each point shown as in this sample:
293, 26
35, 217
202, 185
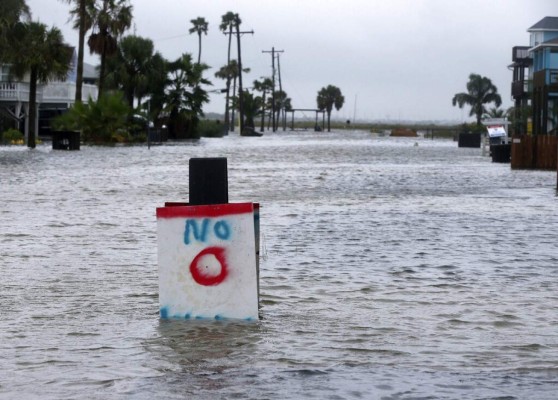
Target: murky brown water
388, 271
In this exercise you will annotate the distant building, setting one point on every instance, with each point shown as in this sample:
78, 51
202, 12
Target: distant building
53, 99
544, 75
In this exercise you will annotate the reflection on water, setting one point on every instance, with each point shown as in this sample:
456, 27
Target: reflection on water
391, 268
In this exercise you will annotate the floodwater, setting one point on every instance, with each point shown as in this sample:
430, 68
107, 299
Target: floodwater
391, 268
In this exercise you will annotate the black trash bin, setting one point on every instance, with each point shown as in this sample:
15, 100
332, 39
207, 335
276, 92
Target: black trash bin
501, 153
65, 140
469, 140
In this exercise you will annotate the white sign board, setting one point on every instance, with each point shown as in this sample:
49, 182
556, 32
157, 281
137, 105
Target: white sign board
207, 262
496, 131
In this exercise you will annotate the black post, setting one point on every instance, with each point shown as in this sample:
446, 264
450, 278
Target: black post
147, 127
208, 181
273, 92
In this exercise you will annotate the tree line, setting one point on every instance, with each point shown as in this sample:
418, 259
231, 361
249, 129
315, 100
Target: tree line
170, 92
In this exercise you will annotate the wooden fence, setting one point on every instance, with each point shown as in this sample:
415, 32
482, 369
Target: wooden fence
534, 152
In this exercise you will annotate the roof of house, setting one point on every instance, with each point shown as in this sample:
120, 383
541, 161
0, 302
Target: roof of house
544, 45
545, 24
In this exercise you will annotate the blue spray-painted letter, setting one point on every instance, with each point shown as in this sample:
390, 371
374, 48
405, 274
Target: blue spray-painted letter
194, 232
193, 228
222, 230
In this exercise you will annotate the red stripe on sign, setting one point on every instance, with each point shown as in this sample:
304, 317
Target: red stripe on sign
216, 210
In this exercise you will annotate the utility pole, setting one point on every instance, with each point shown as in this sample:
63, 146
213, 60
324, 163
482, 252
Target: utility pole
240, 110
273, 51
282, 109
240, 92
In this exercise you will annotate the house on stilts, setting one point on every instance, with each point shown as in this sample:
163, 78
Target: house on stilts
535, 141
53, 98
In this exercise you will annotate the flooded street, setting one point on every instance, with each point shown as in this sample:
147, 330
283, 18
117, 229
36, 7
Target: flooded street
391, 268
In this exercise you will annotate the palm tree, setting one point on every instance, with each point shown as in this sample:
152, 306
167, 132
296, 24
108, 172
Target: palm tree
12, 12
282, 102
480, 91
228, 21
495, 112
199, 26
329, 97
252, 107
263, 86
129, 70
156, 85
230, 73
110, 20
83, 23
43, 55
184, 95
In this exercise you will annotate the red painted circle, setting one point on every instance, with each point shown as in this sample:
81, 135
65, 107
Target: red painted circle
198, 272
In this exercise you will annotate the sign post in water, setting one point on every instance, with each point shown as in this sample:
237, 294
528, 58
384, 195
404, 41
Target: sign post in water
207, 255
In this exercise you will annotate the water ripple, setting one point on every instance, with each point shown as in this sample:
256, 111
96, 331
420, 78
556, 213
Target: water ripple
389, 271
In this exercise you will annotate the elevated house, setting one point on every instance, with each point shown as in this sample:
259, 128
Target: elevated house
53, 98
535, 146
521, 85
544, 75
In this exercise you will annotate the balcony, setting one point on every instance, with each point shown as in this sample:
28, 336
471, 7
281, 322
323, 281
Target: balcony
521, 89
16, 91
521, 54
53, 92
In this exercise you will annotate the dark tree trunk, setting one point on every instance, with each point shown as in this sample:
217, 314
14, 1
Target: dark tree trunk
199, 46
130, 97
32, 108
81, 45
102, 69
227, 101
232, 113
263, 112
240, 90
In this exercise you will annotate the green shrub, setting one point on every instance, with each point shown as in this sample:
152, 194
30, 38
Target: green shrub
12, 136
101, 121
210, 128
472, 128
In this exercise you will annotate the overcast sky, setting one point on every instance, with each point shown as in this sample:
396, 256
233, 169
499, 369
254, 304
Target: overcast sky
396, 59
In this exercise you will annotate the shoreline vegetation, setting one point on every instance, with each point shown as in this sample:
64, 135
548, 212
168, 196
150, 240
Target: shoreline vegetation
440, 130
213, 128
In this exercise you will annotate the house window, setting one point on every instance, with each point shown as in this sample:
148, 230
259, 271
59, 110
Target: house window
4, 73
536, 38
